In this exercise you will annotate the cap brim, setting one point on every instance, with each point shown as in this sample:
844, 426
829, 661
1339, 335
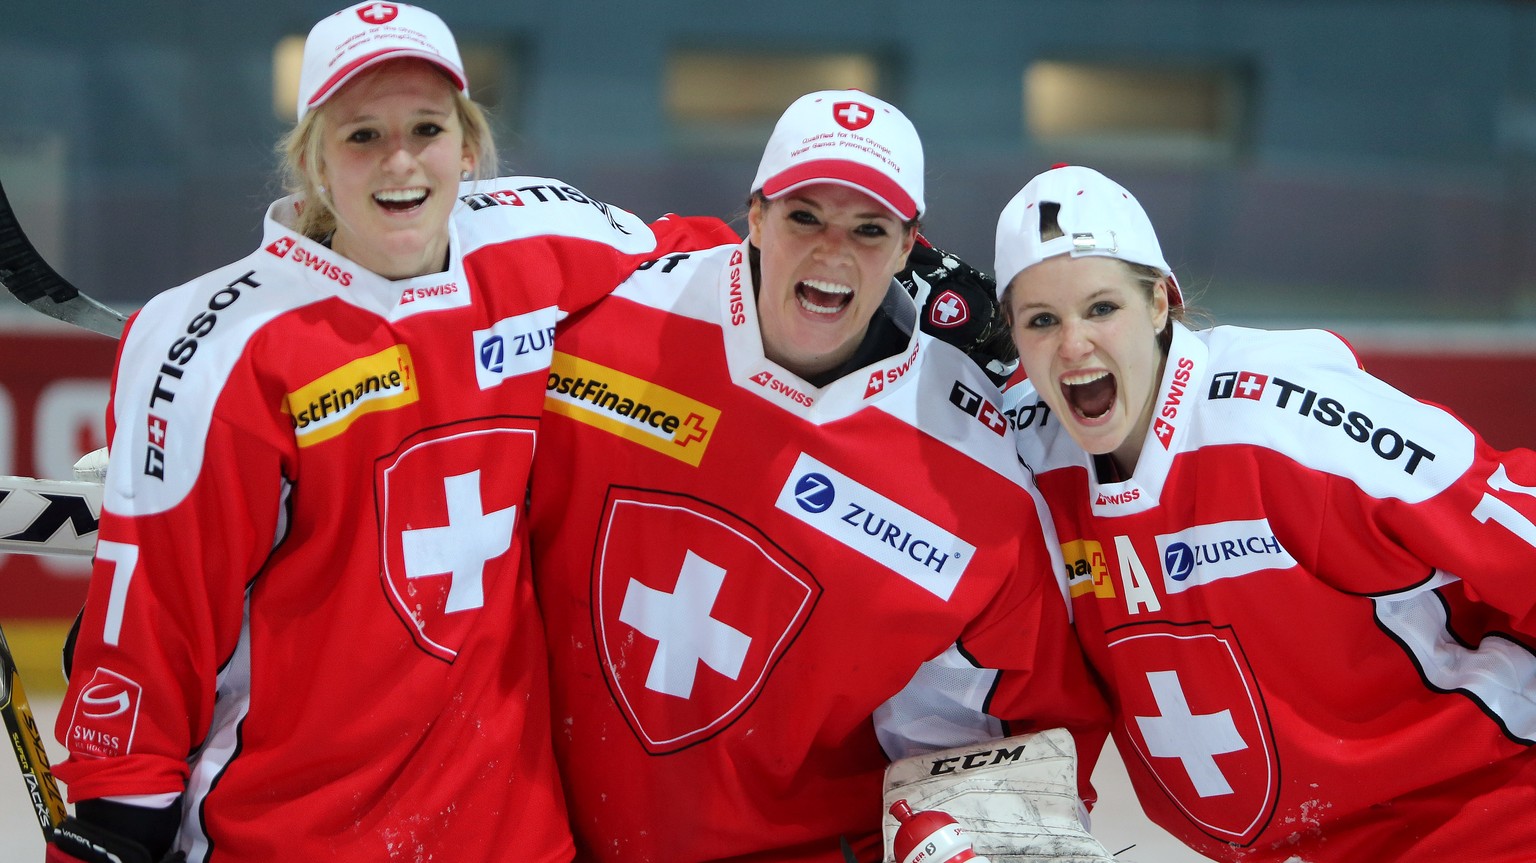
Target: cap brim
356, 67
868, 180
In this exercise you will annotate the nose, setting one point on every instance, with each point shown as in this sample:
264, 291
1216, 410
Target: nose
399, 159
1076, 339
831, 244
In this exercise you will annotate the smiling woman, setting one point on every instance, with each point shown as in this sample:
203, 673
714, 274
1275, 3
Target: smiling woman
747, 604
1300, 583
317, 485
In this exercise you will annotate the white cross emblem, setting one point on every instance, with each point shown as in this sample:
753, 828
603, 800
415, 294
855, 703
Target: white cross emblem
1194, 740
462, 547
685, 632
946, 310
854, 113
379, 13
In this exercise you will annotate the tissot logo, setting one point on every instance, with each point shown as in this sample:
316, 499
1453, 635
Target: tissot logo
815, 493
1385, 443
978, 406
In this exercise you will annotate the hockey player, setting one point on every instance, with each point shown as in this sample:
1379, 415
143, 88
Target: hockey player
765, 500
310, 631
1311, 595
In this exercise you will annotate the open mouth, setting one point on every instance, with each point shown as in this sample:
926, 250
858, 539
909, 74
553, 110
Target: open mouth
400, 200
823, 298
1091, 394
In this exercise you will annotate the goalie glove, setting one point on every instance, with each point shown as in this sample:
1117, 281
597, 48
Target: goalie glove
961, 308
1016, 798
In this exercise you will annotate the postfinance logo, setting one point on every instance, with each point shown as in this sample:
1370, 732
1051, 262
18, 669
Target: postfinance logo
1087, 570
630, 407
328, 405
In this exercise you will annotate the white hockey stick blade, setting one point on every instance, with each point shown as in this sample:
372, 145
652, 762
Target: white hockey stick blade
49, 516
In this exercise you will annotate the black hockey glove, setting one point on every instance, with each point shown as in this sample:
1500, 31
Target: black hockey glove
108, 832
962, 309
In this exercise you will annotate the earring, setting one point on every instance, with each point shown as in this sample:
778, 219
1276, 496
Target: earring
463, 175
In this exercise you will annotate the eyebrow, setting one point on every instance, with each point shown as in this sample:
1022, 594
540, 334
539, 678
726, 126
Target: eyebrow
868, 215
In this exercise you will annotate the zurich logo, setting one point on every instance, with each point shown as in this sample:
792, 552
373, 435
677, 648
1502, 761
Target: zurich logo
814, 493
493, 352
1179, 561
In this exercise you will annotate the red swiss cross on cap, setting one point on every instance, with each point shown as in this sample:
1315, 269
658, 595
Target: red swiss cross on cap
378, 13
846, 138
851, 115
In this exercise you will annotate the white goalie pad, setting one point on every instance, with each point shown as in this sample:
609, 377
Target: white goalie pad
1016, 798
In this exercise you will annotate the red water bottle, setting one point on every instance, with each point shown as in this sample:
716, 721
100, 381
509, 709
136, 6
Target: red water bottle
930, 836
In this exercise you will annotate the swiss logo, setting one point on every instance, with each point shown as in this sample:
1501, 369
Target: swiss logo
378, 13
1202, 731
948, 310
692, 608
448, 501
876, 383
852, 115
106, 716
281, 246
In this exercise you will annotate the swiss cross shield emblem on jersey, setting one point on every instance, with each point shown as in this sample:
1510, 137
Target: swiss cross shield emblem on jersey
852, 115
448, 503
1197, 719
692, 609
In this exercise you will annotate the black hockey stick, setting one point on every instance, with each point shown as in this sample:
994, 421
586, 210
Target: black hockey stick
26, 275
21, 728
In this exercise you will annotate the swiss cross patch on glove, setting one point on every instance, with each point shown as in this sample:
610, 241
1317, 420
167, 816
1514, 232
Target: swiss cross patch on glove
961, 308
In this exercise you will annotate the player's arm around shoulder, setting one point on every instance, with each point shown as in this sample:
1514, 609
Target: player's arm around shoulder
547, 234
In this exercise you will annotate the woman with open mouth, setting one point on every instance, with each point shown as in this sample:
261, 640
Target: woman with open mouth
1312, 596
779, 530
310, 633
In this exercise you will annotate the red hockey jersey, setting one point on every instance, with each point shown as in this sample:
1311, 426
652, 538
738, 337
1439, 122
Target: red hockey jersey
742, 573
310, 611
1315, 604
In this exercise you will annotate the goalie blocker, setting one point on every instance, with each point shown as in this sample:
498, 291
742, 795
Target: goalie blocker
1016, 797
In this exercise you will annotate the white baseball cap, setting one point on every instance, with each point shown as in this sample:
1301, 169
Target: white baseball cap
848, 138
1097, 216
362, 36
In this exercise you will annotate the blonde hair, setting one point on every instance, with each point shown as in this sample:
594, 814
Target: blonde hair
300, 157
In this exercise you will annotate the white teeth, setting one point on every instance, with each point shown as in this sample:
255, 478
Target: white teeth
827, 287
831, 288
1073, 379
401, 196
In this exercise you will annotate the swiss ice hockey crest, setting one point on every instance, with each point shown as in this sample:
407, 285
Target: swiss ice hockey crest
1199, 723
448, 501
692, 609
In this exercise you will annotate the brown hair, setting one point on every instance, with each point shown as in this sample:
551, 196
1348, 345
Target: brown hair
300, 150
